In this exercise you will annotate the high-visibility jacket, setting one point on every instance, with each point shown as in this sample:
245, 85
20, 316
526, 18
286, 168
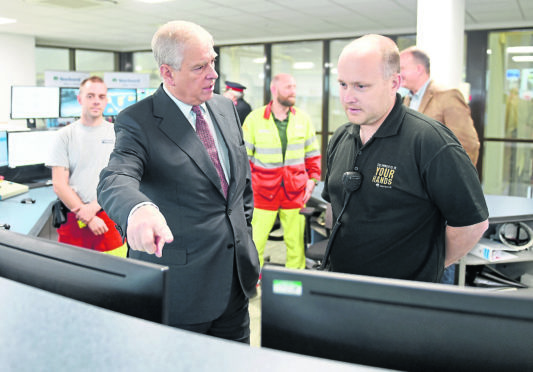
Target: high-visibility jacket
270, 171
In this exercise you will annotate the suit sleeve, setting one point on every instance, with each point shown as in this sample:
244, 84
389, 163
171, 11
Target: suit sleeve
456, 116
248, 197
118, 189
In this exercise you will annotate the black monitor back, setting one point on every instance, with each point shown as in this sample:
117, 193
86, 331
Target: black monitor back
124, 285
395, 324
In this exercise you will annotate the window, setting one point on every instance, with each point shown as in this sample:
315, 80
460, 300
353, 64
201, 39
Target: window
95, 62
144, 63
508, 146
303, 60
244, 65
50, 59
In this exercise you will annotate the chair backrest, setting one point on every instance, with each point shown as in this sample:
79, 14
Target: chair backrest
328, 218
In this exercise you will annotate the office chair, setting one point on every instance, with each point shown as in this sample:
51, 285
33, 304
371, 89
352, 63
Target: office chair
320, 220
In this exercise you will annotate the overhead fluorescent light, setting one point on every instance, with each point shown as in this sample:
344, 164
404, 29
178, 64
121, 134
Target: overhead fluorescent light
5, 21
522, 58
303, 65
520, 50
259, 60
153, 1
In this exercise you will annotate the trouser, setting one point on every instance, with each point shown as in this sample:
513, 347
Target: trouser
233, 324
293, 224
71, 233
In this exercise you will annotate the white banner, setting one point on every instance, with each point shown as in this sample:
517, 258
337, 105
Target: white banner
126, 80
71, 79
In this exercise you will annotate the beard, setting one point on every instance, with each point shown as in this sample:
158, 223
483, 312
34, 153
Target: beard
286, 101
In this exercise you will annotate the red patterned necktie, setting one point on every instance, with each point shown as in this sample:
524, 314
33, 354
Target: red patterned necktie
202, 130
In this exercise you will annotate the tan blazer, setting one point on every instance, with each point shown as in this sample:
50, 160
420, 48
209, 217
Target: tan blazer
449, 107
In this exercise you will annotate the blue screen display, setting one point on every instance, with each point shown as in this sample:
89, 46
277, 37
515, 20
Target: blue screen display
69, 107
3, 149
118, 99
144, 92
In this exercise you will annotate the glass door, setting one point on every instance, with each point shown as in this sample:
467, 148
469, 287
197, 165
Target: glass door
508, 136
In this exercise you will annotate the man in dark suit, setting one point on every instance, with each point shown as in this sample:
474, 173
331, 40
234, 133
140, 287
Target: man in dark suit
179, 179
445, 105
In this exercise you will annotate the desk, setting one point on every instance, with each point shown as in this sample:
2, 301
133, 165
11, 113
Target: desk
501, 209
45, 331
24, 218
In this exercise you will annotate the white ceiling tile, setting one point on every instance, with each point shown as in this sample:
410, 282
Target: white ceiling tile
129, 25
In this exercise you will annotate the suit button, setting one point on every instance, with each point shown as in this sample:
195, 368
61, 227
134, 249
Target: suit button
229, 246
229, 212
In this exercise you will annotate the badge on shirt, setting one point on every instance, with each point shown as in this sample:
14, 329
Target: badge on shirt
384, 175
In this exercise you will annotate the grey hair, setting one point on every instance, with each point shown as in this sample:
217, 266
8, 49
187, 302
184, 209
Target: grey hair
420, 56
170, 40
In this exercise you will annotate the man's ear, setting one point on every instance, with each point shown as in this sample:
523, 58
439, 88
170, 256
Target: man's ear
166, 73
396, 81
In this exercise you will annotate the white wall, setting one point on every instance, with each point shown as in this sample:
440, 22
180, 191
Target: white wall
17, 66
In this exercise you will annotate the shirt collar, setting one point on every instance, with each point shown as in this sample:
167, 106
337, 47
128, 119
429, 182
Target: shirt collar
418, 95
268, 110
184, 107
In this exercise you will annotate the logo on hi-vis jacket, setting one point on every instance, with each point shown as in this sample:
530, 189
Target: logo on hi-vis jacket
384, 175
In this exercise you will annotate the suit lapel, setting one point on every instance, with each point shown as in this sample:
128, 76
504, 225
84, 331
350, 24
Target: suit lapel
177, 127
428, 95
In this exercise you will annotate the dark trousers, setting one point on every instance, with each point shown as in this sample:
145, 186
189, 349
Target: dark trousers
233, 324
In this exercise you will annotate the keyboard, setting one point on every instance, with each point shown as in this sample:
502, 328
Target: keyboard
9, 189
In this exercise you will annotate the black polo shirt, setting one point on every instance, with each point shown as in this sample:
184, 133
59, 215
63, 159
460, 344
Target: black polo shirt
416, 178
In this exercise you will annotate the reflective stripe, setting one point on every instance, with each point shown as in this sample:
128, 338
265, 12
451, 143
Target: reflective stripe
250, 146
268, 151
266, 165
275, 165
311, 154
295, 146
311, 141
294, 161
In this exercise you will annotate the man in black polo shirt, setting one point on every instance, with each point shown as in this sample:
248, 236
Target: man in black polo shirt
407, 197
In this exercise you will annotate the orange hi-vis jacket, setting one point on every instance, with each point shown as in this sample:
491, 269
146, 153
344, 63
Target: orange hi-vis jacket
270, 171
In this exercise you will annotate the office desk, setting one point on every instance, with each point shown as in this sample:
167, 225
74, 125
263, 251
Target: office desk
28, 219
43, 331
502, 209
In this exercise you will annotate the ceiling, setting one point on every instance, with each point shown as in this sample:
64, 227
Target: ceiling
128, 25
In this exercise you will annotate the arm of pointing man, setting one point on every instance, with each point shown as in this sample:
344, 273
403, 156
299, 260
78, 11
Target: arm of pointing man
148, 230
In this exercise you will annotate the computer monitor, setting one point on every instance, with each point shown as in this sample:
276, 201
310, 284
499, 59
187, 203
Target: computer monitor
144, 92
69, 107
127, 286
29, 147
118, 99
34, 102
397, 324
3, 149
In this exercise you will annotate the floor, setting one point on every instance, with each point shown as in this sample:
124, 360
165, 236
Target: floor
275, 254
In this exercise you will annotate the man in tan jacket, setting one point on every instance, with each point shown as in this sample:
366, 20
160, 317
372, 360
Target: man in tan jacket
445, 105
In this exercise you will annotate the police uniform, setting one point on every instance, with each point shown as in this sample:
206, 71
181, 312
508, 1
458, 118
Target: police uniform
243, 108
416, 178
